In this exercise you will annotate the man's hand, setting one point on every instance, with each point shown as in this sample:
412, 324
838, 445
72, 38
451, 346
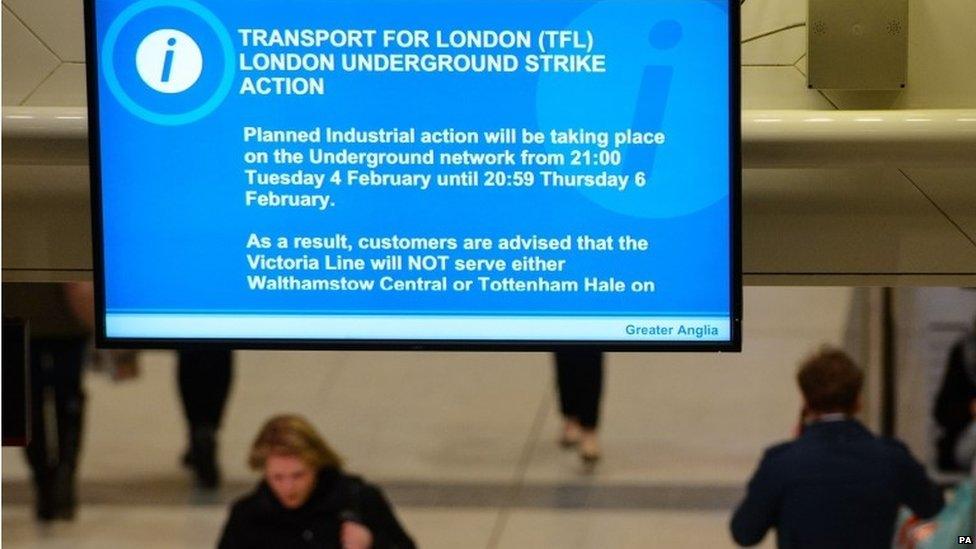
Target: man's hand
355, 536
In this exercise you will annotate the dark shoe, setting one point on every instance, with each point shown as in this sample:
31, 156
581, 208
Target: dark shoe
56, 496
63, 494
44, 513
203, 458
66, 512
70, 423
44, 506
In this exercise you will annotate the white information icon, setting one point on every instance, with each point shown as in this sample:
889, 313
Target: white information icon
169, 61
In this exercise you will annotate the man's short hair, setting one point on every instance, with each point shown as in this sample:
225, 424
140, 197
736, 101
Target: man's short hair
830, 382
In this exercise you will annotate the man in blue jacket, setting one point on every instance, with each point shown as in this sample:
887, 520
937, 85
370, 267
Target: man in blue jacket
836, 486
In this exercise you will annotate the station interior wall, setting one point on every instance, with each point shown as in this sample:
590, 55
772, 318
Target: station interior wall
807, 225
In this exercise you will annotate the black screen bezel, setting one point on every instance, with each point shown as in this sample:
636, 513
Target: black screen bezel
734, 344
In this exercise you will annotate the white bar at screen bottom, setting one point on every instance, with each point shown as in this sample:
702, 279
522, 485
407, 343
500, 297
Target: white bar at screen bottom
416, 328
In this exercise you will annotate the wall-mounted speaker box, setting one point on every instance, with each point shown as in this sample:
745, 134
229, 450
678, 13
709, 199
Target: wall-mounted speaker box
857, 44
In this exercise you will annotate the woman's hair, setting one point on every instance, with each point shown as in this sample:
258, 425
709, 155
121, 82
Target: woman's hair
292, 435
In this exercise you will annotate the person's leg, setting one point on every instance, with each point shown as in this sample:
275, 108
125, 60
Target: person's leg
566, 385
57, 409
42, 421
589, 378
588, 373
70, 406
204, 381
965, 449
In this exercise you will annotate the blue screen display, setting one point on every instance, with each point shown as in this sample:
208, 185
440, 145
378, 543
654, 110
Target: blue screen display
416, 171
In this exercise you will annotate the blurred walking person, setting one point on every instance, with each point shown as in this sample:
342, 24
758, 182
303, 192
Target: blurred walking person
306, 500
837, 485
579, 381
61, 321
204, 377
955, 406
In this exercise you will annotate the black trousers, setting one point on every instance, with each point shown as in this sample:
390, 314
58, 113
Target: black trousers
57, 410
579, 378
204, 379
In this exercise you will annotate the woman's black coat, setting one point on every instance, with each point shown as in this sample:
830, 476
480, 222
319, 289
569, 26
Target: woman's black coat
258, 520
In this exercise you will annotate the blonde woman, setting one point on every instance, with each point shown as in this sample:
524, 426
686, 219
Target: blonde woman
306, 500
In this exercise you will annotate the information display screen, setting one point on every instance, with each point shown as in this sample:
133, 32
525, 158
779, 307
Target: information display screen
416, 173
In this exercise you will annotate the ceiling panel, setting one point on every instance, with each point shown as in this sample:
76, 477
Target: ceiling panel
778, 88
846, 222
26, 61
60, 24
803, 65
65, 88
46, 220
760, 16
782, 48
953, 190
941, 71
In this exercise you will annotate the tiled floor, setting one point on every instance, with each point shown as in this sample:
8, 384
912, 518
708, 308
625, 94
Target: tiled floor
463, 443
